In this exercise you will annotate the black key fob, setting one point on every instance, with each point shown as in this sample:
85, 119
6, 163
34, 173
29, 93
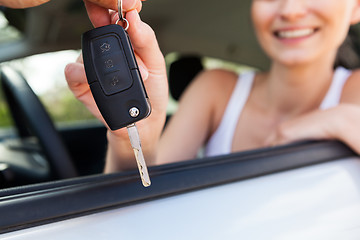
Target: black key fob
113, 76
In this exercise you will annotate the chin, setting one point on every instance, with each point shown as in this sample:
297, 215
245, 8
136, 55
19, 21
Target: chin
295, 60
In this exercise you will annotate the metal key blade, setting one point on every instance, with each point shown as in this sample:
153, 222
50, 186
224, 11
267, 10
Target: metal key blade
136, 145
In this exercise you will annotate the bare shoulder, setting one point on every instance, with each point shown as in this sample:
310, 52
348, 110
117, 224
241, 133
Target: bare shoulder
352, 88
214, 81
214, 88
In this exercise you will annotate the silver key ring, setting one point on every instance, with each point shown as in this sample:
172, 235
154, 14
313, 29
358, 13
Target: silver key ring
121, 17
126, 23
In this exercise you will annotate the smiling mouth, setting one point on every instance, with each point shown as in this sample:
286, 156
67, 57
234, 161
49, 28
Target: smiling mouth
296, 33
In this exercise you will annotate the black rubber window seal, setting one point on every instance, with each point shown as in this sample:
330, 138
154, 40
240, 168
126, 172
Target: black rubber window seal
39, 204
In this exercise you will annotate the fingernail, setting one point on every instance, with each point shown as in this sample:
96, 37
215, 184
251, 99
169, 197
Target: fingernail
144, 72
115, 17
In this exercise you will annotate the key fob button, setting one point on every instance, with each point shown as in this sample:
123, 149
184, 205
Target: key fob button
115, 82
111, 63
105, 45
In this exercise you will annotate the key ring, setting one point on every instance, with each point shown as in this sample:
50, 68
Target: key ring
126, 21
121, 17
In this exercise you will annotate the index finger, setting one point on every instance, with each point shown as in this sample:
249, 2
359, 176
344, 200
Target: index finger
98, 16
127, 5
98, 10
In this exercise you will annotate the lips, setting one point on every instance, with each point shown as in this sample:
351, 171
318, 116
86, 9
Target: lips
295, 33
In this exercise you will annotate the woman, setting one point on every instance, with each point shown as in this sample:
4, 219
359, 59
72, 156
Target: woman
301, 97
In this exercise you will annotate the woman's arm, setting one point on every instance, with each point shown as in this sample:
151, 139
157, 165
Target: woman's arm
200, 110
341, 122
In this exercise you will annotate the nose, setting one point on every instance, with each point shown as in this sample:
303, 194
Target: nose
291, 10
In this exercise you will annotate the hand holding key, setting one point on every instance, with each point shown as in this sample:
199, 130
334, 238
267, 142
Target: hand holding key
115, 82
150, 59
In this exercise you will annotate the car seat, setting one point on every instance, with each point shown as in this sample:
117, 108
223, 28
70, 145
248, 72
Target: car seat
181, 72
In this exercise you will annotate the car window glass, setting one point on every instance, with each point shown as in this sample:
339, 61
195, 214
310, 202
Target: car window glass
45, 74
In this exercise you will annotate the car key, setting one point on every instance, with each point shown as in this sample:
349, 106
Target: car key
115, 82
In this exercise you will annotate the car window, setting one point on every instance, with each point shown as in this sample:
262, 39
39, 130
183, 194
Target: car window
45, 74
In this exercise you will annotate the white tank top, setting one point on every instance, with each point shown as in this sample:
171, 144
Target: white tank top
221, 141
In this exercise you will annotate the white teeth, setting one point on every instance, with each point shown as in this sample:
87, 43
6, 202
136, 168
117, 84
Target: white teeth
296, 33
